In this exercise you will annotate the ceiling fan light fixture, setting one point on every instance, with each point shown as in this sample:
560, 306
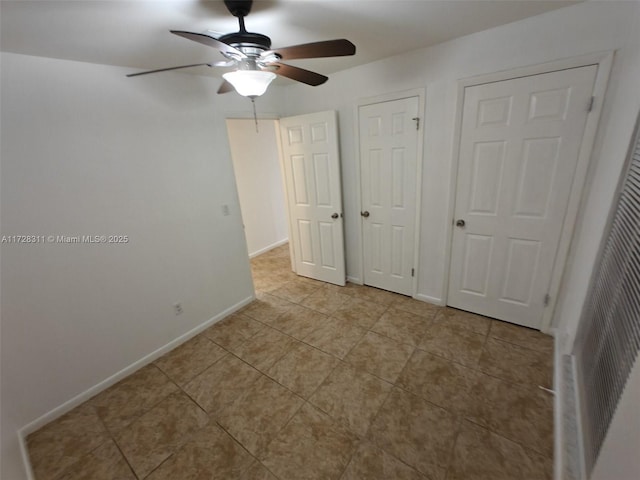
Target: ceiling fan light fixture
250, 83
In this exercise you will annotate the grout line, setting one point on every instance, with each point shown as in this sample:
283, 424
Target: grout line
460, 420
529, 349
113, 439
525, 447
475, 368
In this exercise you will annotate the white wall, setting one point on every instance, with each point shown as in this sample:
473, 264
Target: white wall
87, 151
581, 29
584, 28
618, 458
256, 162
618, 120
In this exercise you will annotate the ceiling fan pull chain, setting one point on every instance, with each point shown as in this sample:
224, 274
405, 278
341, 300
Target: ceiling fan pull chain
255, 115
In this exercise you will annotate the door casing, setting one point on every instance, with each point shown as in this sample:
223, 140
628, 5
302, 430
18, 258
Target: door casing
417, 92
604, 62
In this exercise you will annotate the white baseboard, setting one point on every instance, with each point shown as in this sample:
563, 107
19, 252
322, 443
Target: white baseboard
355, 280
24, 453
429, 299
269, 247
558, 434
115, 378
568, 446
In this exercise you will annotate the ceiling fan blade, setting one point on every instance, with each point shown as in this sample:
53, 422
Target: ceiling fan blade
171, 68
209, 41
299, 74
328, 48
225, 87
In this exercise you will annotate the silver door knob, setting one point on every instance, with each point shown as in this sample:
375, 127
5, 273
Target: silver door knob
460, 223
365, 214
334, 216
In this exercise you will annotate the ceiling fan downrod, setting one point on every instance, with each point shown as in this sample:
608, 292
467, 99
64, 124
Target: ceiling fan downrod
242, 39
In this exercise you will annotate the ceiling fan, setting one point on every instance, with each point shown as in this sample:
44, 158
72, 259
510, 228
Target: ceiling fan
255, 63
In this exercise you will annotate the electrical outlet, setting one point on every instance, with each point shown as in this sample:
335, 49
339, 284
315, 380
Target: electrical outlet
177, 308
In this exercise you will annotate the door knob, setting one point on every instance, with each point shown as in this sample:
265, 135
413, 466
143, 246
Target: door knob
334, 216
364, 214
460, 223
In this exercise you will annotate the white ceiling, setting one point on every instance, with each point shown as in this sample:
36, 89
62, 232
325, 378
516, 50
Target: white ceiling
135, 33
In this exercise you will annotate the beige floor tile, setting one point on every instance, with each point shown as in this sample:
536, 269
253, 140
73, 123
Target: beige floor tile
308, 281
351, 397
302, 369
272, 262
404, 327
233, 331
347, 289
325, 301
417, 432
298, 321
267, 284
295, 291
190, 359
258, 414
128, 399
482, 455
281, 251
362, 313
376, 295
221, 384
266, 308
62, 443
269, 276
335, 337
464, 320
457, 344
417, 307
517, 364
211, 453
311, 447
521, 414
525, 337
151, 439
380, 355
265, 348
371, 463
438, 380
258, 472
506, 421
104, 463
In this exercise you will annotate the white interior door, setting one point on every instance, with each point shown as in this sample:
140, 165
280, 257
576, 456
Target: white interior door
388, 170
519, 148
312, 178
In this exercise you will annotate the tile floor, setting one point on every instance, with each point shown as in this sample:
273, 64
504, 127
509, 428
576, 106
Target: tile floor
314, 381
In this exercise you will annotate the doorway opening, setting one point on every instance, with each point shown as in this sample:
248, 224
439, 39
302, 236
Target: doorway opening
256, 163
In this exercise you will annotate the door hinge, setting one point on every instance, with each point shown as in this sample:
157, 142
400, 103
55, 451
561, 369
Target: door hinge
417, 119
591, 102
413, 272
547, 299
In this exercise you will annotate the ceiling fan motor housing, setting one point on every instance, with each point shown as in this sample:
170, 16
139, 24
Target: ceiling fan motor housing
239, 8
251, 52
246, 39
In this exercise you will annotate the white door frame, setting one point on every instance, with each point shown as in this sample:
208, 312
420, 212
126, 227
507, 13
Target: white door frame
292, 254
604, 61
389, 97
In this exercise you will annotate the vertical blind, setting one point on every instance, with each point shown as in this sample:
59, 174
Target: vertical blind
608, 338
